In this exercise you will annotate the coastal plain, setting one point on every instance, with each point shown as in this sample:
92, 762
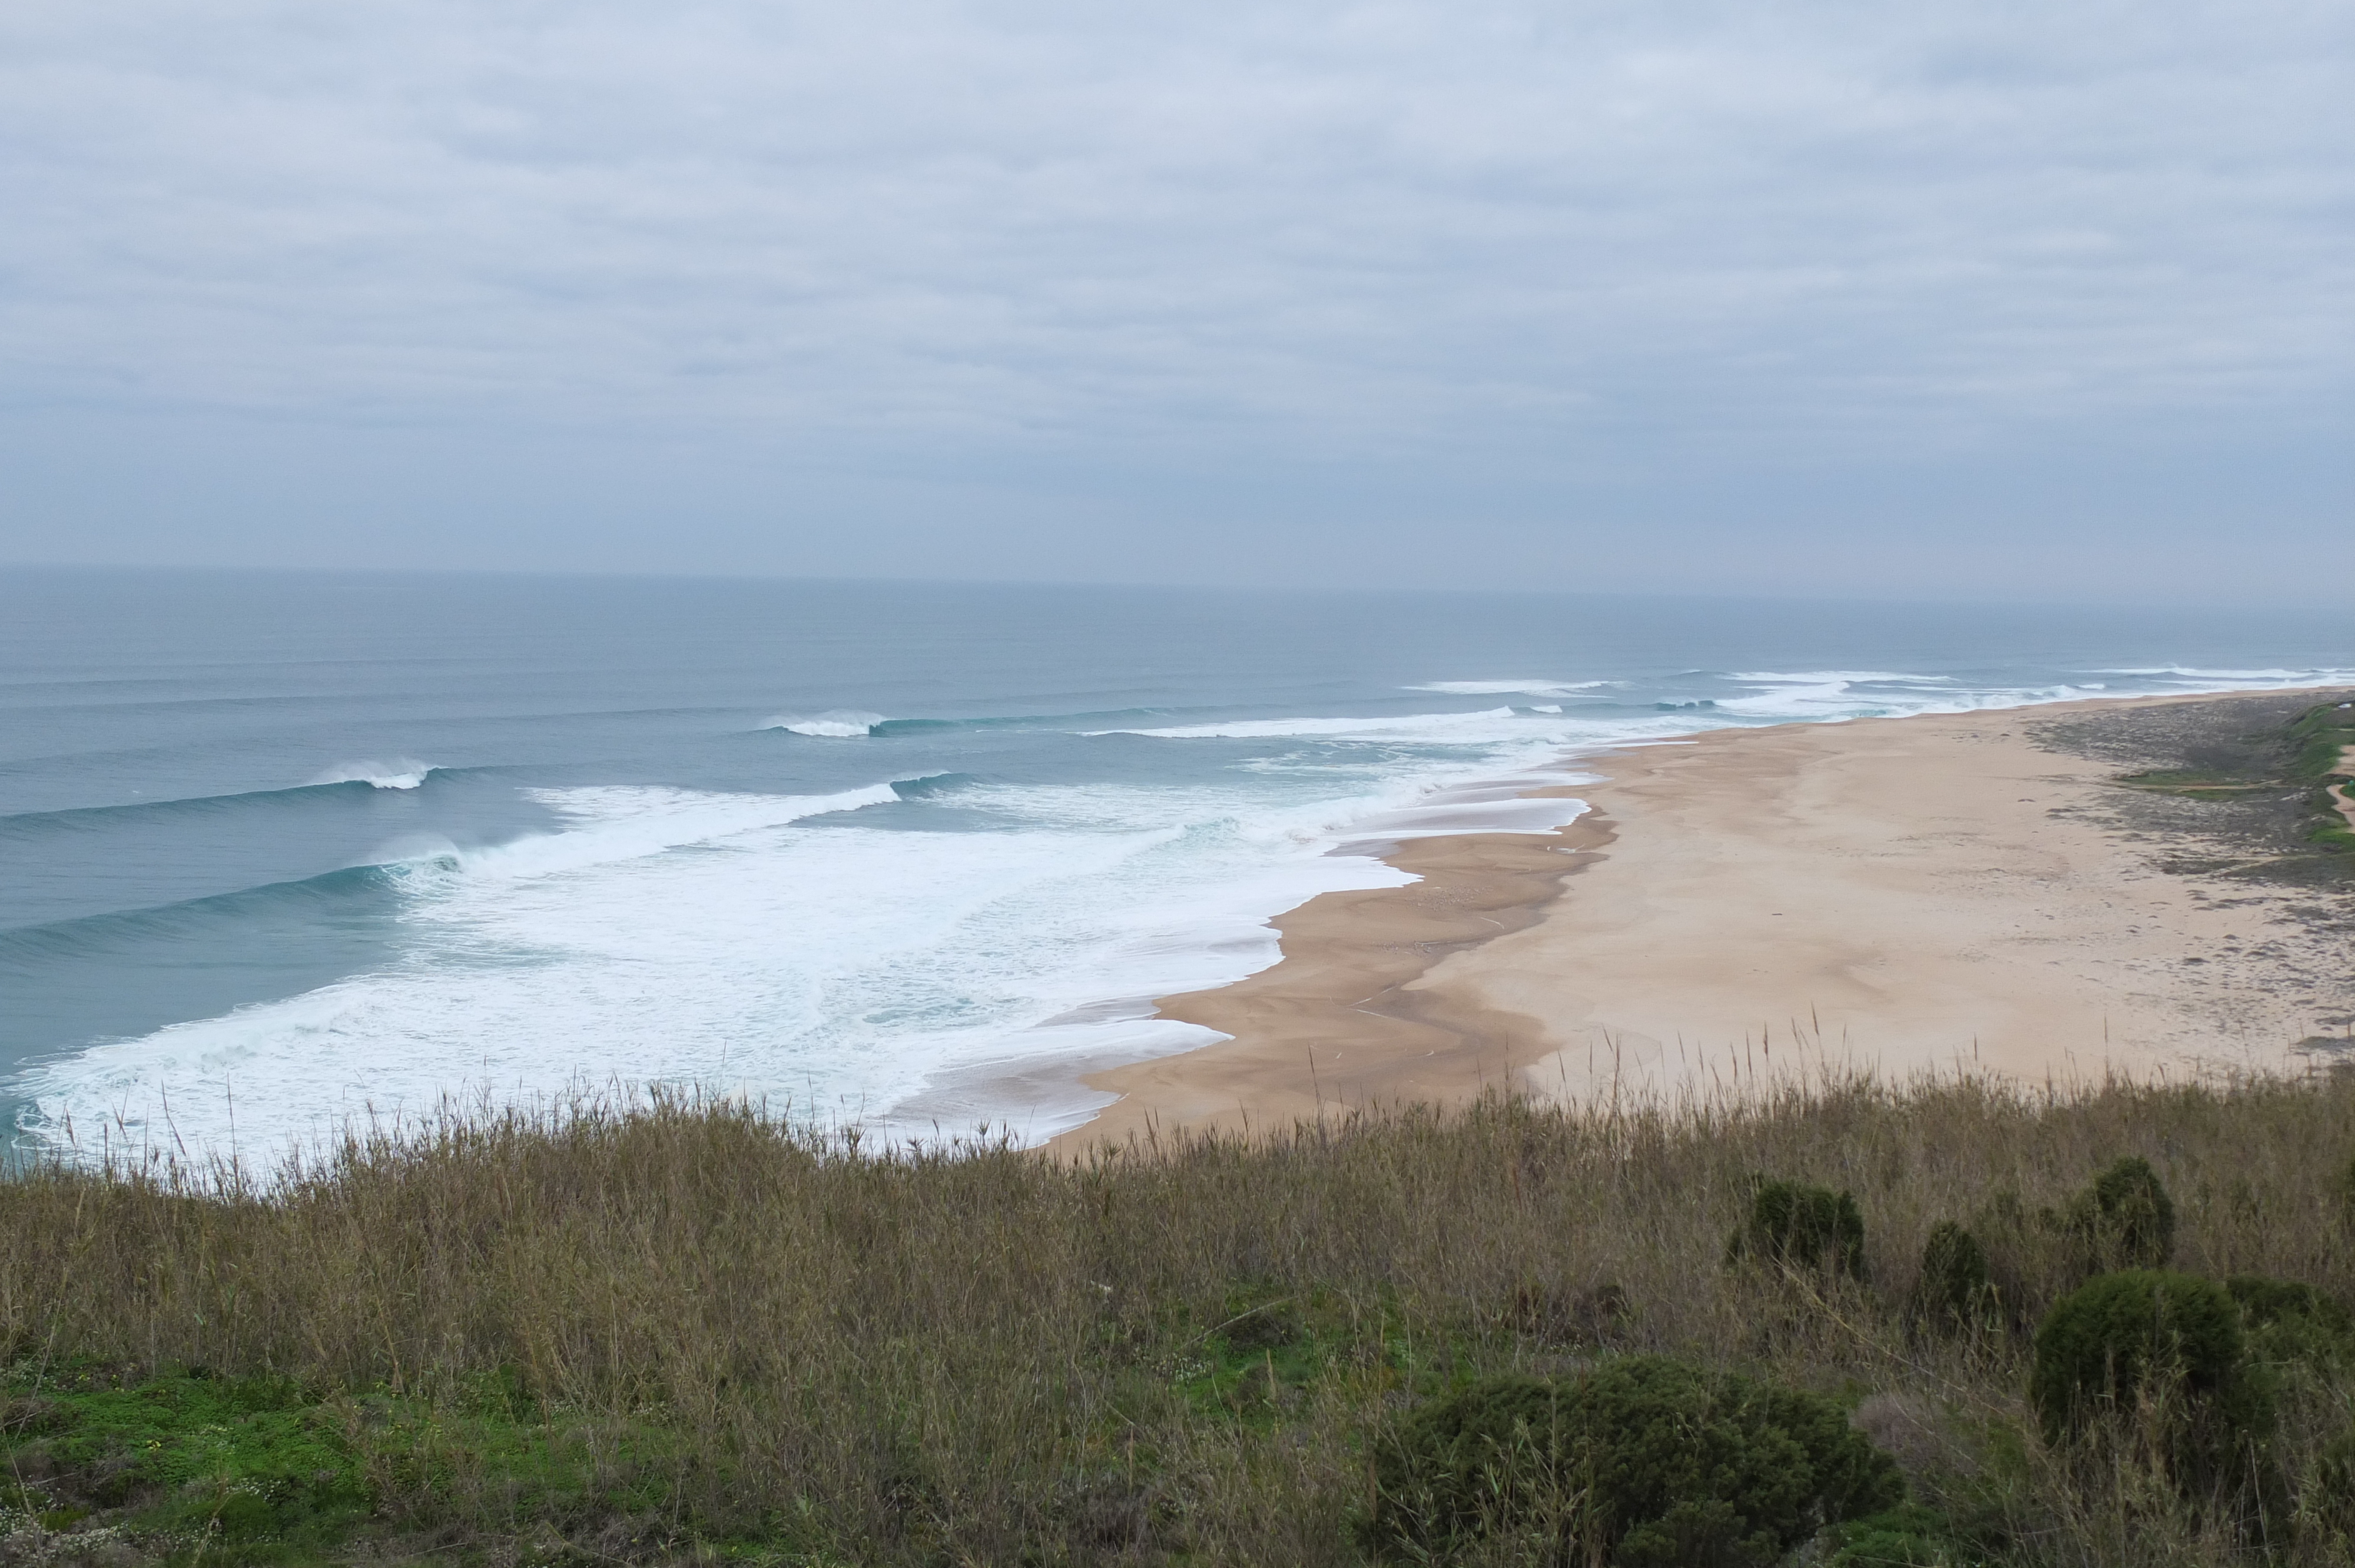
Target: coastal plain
1989, 892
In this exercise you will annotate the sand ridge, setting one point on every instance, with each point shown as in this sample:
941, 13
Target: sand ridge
1901, 894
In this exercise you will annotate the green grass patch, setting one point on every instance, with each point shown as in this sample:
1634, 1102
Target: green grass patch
2320, 738
196, 1467
251, 1467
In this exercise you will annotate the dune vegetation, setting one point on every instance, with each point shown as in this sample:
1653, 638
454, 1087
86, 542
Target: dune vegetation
1949, 1323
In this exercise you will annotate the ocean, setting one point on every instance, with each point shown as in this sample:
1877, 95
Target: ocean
278, 851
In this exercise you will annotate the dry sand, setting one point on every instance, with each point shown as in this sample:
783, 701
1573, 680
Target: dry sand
1899, 894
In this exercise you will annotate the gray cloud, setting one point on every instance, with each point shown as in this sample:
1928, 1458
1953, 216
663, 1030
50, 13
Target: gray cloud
1553, 260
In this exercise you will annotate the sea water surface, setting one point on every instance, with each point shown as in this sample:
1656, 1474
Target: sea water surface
278, 851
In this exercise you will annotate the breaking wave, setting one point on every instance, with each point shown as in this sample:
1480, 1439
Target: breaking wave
1503, 688
835, 723
404, 774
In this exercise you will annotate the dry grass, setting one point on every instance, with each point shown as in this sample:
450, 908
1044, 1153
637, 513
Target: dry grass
747, 1337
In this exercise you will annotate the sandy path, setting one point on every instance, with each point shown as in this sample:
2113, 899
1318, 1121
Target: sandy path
1897, 893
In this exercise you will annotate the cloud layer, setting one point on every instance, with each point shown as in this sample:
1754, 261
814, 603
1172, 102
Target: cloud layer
1570, 243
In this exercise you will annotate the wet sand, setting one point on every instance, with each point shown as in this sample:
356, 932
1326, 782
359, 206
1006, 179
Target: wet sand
1898, 896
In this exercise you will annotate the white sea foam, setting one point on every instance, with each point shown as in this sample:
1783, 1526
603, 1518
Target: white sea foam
731, 943
1844, 677
2227, 680
1421, 726
834, 724
1488, 741
1500, 688
1443, 815
403, 774
1834, 695
615, 823
731, 940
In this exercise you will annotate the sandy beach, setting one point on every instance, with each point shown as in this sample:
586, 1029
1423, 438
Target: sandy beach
1903, 896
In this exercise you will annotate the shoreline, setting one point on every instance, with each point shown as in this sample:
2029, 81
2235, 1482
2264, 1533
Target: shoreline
1923, 921
1336, 1020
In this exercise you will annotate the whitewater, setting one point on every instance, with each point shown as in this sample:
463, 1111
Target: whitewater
284, 852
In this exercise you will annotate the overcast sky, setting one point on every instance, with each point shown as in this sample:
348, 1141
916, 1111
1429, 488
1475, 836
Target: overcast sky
1953, 296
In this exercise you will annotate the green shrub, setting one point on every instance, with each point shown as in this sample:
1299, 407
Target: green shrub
2165, 1349
1802, 1227
1907, 1536
2127, 1216
2263, 1300
1644, 1462
2283, 1320
1955, 1290
2105, 1341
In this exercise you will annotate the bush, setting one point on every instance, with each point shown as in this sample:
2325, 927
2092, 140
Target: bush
1955, 1290
2264, 1300
2283, 1320
2166, 1349
2127, 1216
1644, 1461
1803, 1227
1908, 1536
2106, 1340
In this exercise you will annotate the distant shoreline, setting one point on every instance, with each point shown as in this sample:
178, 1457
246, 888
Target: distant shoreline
1904, 895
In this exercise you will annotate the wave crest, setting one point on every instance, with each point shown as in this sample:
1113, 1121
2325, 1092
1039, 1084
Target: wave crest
834, 724
1501, 688
405, 773
610, 822
1413, 724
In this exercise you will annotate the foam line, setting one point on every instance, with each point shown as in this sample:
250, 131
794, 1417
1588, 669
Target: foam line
404, 774
1263, 729
1502, 688
835, 723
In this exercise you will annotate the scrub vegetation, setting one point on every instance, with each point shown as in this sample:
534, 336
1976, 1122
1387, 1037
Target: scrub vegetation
2325, 764
2307, 763
1956, 1324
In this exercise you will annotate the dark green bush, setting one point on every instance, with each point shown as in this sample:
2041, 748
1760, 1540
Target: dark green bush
2266, 1301
2167, 1351
1802, 1227
2127, 1217
2283, 1320
1644, 1462
2102, 1342
1907, 1536
1955, 1290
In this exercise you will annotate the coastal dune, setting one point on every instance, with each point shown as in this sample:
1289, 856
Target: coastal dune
1928, 894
